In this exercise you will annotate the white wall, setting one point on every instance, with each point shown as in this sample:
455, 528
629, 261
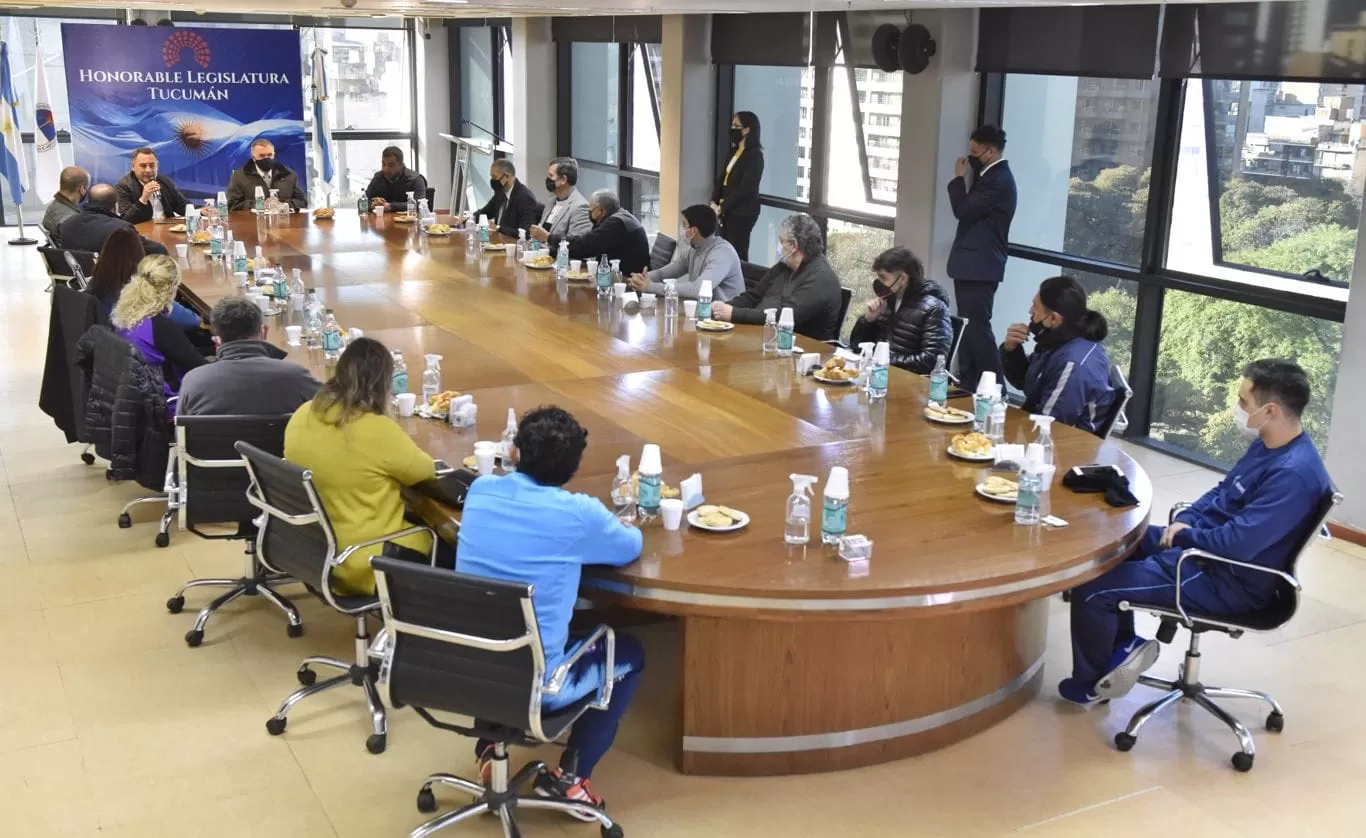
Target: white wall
533, 97
434, 110
1346, 444
688, 87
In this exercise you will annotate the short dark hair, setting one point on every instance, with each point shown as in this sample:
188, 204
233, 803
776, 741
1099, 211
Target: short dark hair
391, 152
142, 150
896, 260
550, 445
1280, 381
702, 217
235, 318
567, 168
990, 135
505, 166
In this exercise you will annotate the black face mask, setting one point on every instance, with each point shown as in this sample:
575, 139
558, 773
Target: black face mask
550, 184
1036, 329
976, 164
735, 136
496, 184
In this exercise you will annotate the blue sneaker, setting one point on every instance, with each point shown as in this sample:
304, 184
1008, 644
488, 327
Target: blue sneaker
1126, 664
1073, 690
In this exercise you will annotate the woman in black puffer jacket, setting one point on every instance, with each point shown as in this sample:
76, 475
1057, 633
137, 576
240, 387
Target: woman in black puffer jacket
910, 312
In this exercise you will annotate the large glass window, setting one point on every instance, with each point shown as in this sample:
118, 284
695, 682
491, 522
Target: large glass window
851, 249
644, 108
476, 82
595, 96
864, 140
368, 70
1081, 153
356, 162
776, 95
645, 203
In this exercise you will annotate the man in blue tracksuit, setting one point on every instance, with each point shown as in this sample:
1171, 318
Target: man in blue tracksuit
1068, 374
1257, 514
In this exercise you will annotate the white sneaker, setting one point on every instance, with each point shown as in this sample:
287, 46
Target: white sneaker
1129, 662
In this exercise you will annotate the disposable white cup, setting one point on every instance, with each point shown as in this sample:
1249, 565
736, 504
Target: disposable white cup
690, 309
354, 334
647, 300
406, 402
239, 278
593, 268
484, 453
618, 290
379, 211
575, 265
296, 302
294, 335
183, 251
261, 300
671, 511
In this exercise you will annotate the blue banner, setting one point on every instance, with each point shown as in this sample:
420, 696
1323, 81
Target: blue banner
198, 97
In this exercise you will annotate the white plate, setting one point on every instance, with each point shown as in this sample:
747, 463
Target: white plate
532, 267
442, 235
579, 277
975, 458
835, 381
997, 498
715, 326
693, 520
178, 228
501, 248
964, 421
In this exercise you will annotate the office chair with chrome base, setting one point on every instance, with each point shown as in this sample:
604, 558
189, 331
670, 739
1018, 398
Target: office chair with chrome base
210, 487
1123, 393
1187, 686
295, 537
467, 645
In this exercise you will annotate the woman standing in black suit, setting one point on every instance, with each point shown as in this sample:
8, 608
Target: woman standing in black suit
736, 196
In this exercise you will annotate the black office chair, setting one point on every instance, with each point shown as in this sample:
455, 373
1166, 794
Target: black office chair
846, 295
959, 325
210, 487
59, 269
78, 280
1187, 685
662, 252
466, 645
431, 198
752, 274
1122, 396
296, 539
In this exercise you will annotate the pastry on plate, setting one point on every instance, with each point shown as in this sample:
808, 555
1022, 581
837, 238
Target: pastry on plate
200, 236
972, 444
442, 401
949, 414
439, 229
1000, 486
324, 212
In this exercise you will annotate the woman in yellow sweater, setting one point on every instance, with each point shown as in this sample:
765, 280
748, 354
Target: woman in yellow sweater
360, 459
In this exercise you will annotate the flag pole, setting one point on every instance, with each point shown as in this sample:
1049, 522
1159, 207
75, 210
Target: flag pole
23, 239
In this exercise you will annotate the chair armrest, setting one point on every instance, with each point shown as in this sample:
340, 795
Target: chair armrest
1177, 509
1201, 554
557, 678
346, 554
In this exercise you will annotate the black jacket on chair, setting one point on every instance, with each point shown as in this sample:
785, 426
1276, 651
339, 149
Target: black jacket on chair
89, 228
125, 409
63, 390
739, 193
619, 235
919, 330
523, 214
984, 213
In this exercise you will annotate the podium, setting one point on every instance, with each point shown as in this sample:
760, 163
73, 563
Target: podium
461, 175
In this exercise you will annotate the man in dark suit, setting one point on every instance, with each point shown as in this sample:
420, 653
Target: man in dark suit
137, 188
616, 233
977, 262
87, 229
512, 206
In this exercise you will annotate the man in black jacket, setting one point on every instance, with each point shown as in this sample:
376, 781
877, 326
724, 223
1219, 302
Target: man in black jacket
88, 229
616, 233
263, 171
803, 280
390, 186
977, 262
137, 188
512, 206
909, 311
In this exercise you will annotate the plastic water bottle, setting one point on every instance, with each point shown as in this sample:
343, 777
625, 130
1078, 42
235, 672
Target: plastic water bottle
239, 261
604, 276
191, 220
483, 232
260, 203
313, 317
411, 205
216, 240
670, 299
623, 493
158, 211
507, 446
834, 511
431, 378
280, 288
877, 374
274, 204
704, 300
521, 244
332, 336
939, 383
1044, 425
797, 526
562, 261
650, 471
297, 290
400, 380
222, 202
785, 331
1027, 498
362, 205
770, 331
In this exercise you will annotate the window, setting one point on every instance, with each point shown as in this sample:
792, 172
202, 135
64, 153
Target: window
645, 203
773, 94
644, 108
356, 162
851, 249
369, 71
591, 180
1269, 184
763, 242
594, 80
1204, 344
476, 82
849, 183
1081, 149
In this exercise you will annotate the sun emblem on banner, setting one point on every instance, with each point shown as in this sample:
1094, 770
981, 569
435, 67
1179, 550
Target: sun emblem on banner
182, 40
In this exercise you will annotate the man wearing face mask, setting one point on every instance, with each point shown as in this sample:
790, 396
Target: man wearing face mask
707, 257
72, 185
909, 311
512, 206
262, 170
803, 280
977, 261
568, 215
1258, 514
1068, 374
616, 234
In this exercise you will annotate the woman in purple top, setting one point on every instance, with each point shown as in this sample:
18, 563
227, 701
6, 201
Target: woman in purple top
142, 315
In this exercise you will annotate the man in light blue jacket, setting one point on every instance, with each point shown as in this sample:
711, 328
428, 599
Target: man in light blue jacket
707, 257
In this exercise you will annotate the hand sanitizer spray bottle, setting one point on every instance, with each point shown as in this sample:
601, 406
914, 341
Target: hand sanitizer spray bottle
1044, 425
623, 493
798, 527
834, 519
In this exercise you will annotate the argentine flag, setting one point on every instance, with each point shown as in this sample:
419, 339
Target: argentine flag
11, 157
322, 127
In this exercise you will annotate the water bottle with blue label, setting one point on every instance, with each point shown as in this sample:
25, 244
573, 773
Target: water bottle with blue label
280, 288
835, 507
877, 375
704, 300
604, 276
332, 336
939, 383
400, 381
785, 331
1027, 497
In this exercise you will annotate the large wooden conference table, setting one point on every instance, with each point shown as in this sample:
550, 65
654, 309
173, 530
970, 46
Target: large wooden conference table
792, 660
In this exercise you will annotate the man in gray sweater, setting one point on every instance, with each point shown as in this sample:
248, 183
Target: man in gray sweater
250, 377
803, 280
707, 257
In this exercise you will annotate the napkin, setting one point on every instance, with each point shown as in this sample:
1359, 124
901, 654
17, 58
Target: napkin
807, 362
465, 415
1009, 453
355, 334
630, 298
691, 491
848, 355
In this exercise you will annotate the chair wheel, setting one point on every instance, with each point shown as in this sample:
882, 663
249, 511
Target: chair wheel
614, 831
295, 631
1242, 761
194, 637
88, 458
426, 802
275, 725
175, 604
125, 521
306, 677
1124, 742
376, 743
1275, 722
163, 539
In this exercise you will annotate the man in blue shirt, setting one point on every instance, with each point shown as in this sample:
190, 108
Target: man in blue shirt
522, 527
1257, 514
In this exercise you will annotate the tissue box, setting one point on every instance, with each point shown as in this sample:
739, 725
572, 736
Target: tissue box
807, 362
691, 492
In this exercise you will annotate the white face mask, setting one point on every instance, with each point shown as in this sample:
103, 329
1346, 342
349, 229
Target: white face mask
683, 235
1242, 417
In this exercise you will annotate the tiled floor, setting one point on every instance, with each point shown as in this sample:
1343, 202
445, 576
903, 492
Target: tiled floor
110, 726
